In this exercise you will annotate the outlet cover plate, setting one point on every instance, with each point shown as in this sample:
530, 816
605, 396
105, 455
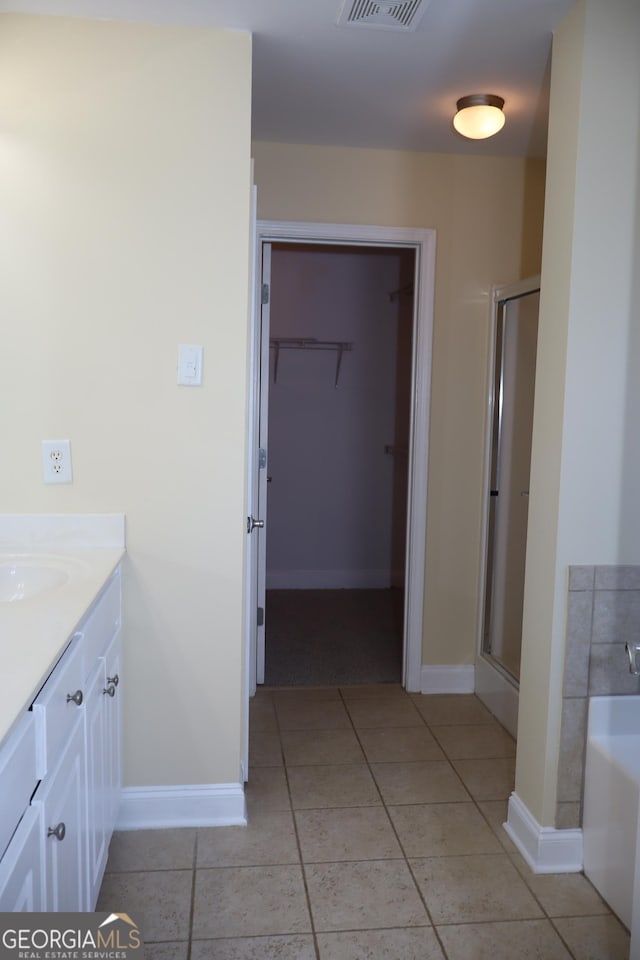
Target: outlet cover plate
56, 461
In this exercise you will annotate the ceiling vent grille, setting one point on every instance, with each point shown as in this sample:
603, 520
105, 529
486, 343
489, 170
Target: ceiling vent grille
382, 14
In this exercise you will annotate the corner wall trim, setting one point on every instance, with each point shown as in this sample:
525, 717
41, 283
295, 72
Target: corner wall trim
193, 805
545, 849
454, 678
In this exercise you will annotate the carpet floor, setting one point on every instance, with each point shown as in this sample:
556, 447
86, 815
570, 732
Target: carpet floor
331, 637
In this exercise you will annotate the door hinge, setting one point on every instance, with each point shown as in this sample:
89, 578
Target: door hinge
262, 458
265, 293
260, 616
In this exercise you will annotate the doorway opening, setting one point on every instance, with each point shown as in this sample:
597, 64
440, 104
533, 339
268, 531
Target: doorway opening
339, 412
422, 245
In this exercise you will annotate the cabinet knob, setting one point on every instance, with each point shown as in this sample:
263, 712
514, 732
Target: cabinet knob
110, 690
115, 680
75, 697
57, 832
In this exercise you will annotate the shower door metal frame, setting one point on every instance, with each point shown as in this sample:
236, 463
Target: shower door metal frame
500, 687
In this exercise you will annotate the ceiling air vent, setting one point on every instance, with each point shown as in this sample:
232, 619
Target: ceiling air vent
382, 14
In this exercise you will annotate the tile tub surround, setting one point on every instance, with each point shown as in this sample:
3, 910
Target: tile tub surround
409, 862
39, 628
603, 613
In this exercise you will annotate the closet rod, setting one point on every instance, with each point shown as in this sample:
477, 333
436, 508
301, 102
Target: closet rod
407, 291
309, 343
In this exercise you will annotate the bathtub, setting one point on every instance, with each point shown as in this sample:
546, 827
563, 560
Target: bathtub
611, 834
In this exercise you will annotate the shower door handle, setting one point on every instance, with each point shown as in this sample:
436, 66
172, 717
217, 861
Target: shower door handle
252, 523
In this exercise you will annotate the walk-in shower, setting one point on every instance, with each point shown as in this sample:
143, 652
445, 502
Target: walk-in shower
512, 385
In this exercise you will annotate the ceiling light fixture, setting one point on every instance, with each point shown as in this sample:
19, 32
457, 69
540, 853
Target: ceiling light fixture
479, 116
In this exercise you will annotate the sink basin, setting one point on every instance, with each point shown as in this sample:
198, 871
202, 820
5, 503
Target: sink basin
22, 578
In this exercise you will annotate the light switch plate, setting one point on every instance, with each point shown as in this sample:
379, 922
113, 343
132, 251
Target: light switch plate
189, 365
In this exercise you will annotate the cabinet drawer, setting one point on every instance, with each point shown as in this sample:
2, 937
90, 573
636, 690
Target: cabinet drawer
54, 710
101, 623
18, 778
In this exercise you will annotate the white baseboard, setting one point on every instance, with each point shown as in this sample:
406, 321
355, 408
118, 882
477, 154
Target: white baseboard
328, 579
498, 694
448, 678
545, 849
194, 805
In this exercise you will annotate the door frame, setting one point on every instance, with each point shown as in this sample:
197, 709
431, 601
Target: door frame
423, 242
492, 684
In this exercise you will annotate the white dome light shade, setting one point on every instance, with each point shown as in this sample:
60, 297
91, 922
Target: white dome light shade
479, 116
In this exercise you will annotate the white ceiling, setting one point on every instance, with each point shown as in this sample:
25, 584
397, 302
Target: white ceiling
317, 82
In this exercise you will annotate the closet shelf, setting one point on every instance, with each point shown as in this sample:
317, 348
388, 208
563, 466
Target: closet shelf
309, 343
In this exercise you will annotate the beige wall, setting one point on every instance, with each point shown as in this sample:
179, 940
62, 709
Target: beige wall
586, 451
124, 230
480, 208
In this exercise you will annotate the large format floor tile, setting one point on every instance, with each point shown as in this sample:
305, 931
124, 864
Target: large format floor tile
173, 950
144, 850
431, 781
312, 715
445, 709
363, 895
443, 830
345, 785
412, 943
249, 901
354, 833
383, 712
268, 839
462, 742
487, 779
302, 747
265, 749
594, 938
374, 831
362, 691
566, 894
298, 947
399, 744
266, 790
513, 940
158, 900
473, 888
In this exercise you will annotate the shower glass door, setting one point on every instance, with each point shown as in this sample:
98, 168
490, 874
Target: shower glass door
513, 393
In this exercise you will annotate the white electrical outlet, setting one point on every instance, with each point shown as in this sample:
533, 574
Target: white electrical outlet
56, 461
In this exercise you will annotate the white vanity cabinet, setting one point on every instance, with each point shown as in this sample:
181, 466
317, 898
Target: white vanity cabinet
68, 744
103, 768
22, 867
62, 797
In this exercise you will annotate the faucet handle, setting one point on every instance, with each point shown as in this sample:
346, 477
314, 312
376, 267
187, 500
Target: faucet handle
633, 652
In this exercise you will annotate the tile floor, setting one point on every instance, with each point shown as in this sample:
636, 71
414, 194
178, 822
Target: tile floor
374, 832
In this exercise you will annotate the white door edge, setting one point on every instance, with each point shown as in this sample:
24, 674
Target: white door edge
423, 241
250, 612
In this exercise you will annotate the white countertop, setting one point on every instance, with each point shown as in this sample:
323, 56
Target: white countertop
35, 631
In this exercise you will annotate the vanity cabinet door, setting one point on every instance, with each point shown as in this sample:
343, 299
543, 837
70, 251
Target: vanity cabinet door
103, 762
63, 799
113, 730
98, 832
21, 873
